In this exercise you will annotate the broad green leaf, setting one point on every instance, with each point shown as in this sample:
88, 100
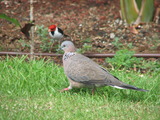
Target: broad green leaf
139, 2
13, 20
147, 12
129, 10
136, 11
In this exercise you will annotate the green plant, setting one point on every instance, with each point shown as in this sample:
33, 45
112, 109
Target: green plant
151, 65
136, 11
155, 40
124, 59
85, 47
46, 44
116, 43
130, 45
12, 20
1, 48
87, 40
29, 90
24, 43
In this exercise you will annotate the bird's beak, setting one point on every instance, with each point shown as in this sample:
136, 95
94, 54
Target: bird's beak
49, 30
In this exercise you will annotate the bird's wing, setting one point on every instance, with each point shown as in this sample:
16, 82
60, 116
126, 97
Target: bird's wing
84, 70
60, 31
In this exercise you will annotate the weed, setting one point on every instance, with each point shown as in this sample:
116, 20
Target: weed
155, 41
46, 44
124, 59
24, 43
150, 65
85, 47
1, 48
87, 40
130, 45
116, 43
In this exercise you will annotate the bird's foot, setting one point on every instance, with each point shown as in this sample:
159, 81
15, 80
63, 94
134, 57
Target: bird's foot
93, 90
65, 89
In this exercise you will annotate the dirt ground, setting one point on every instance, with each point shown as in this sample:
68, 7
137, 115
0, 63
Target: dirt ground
96, 23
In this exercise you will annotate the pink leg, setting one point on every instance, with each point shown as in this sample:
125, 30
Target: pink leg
93, 90
65, 89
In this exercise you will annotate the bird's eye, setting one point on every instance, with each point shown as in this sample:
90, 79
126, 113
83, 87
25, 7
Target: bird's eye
64, 45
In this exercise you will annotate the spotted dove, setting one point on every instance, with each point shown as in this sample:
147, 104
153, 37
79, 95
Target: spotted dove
83, 72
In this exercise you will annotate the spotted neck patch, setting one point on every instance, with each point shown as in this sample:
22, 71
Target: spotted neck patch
68, 55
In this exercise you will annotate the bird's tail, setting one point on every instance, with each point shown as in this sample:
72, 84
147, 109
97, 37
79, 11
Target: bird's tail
126, 86
66, 35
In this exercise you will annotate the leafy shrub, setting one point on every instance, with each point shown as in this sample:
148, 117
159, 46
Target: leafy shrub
12, 20
116, 43
42, 32
124, 59
151, 65
86, 47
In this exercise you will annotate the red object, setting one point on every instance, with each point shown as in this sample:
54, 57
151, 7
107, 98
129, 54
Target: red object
52, 27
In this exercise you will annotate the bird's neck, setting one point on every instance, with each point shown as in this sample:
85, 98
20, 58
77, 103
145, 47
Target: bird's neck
68, 55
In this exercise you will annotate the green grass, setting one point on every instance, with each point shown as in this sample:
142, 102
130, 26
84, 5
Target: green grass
29, 90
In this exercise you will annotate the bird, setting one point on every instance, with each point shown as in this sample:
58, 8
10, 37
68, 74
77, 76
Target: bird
81, 71
56, 33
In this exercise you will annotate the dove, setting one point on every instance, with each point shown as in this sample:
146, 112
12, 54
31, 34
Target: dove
81, 71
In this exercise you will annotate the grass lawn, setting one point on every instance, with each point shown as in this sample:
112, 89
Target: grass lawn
29, 90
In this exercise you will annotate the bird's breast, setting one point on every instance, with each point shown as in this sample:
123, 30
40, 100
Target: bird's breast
68, 55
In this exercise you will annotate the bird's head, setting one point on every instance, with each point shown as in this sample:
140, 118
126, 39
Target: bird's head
52, 28
68, 46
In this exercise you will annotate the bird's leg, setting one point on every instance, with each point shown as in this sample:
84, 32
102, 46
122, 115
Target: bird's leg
66, 89
94, 88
